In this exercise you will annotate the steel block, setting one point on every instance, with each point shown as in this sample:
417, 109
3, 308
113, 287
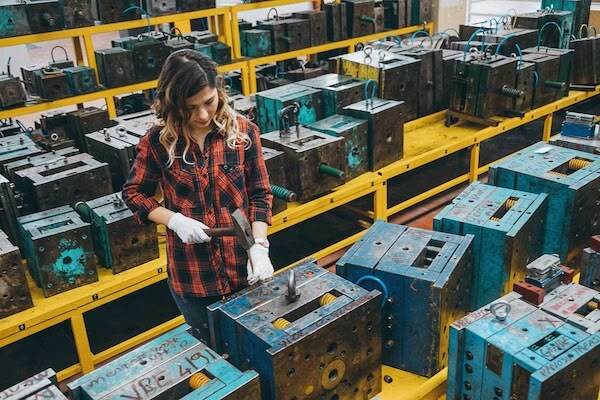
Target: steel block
17, 147
360, 17
512, 349
386, 129
83, 121
112, 221
10, 169
484, 87
256, 42
149, 55
59, 251
337, 25
115, 67
116, 147
590, 265
44, 15
426, 275
571, 178
12, 92
14, 291
317, 24
161, 7
586, 59
395, 14
565, 67
77, 13
270, 102
355, 134
430, 79
76, 178
275, 161
116, 10
338, 91
39, 386
326, 323
81, 80
220, 53
309, 154
393, 73
587, 145
508, 226
51, 84
13, 19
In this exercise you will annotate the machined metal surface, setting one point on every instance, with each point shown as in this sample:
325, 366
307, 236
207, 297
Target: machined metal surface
325, 343
385, 129
173, 366
115, 67
393, 73
120, 243
14, 291
571, 178
75, 178
525, 353
59, 251
337, 91
116, 147
507, 226
426, 275
356, 134
306, 155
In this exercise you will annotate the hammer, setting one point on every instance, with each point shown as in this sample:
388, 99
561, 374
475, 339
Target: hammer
241, 229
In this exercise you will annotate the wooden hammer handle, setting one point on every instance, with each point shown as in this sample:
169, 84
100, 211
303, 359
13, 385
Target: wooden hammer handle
217, 232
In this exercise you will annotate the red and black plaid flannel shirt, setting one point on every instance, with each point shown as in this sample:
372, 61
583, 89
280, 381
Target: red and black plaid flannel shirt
220, 180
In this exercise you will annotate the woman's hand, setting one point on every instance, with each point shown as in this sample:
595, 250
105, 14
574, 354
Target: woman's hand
188, 229
263, 268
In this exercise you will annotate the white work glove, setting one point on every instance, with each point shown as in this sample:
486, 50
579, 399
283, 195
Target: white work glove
188, 229
263, 268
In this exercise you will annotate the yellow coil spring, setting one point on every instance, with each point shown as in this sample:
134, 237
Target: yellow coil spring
198, 380
508, 204
592, 305
578, 163
326, 299
281, 323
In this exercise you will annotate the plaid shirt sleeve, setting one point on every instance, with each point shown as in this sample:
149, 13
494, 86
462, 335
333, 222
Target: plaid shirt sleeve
259, 190
142, 182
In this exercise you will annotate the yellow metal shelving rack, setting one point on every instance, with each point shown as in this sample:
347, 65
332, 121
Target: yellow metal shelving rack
426, 140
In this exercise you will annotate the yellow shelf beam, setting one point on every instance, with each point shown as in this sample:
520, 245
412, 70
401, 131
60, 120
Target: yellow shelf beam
116, 26
106, 94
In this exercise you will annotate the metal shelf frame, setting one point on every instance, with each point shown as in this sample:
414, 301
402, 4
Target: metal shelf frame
426, 140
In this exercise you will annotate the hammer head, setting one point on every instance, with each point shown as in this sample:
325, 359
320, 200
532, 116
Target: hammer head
242, 228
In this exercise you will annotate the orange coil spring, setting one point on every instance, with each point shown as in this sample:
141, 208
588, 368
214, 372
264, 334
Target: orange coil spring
198, 380
281, 323
508, 204
578, 163
326, 299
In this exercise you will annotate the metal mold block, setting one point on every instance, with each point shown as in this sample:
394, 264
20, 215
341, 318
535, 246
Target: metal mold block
393, 73
14, 291
83, 121
514, 349
322, 340
12, 92
77, 13
565, 66
256, 42
115, 67
17, 147
115, 147
270, 102
10, 205
386, 129
10, 169
507, 226
81, 80
59, 251
75, 178
173, 366
310, 156
13, 19
360, 16
587, 145
590, 265
120, 243
427, 277
161, 7
39, 386
275, 161
337, 28
338, 91
51, 84
355, 133
572, 180
116, 10
44, 15
317, 24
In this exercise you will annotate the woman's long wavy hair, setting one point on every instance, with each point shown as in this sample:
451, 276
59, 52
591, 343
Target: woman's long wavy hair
184, 74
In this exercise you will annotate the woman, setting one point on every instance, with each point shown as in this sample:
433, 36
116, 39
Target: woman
208, 161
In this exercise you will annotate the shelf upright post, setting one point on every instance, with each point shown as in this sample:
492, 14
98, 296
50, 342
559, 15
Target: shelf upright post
474, 163
547, 128
380, 206
82, 343
235, 33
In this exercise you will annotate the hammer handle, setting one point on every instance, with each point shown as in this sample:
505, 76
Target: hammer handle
217, 232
